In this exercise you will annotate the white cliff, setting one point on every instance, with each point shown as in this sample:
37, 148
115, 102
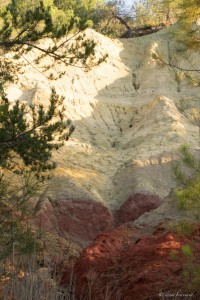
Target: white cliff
128, 118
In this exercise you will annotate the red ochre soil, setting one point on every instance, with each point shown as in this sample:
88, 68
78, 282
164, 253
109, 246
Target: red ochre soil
135, 206
118, 265
121, 263
83, 220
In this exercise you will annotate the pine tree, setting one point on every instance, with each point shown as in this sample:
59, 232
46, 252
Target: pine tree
29, 134
188, 17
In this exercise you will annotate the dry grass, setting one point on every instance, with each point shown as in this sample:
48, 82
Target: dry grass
31, 281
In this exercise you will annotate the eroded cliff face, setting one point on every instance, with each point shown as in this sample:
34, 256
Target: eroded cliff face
128, 117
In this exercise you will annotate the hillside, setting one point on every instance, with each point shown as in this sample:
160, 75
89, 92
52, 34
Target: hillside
128, 119
131, 114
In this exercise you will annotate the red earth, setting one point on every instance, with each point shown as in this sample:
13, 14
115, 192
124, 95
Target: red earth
119, 265
81, 219
135, 206
84, 219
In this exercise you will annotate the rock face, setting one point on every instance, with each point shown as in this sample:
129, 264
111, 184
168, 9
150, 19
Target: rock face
135, 206
127, 117
118, 265
81, 220
128, 113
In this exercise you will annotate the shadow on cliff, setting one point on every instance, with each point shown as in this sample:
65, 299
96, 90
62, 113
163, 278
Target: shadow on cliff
128, 157
123, 130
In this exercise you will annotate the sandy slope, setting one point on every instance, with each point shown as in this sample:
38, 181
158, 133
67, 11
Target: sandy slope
127, 116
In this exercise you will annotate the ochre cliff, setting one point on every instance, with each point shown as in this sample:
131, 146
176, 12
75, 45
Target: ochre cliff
128, 113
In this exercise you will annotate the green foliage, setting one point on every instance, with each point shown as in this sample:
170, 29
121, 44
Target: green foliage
36, 18
154, 12
195, 282
21, 26
148, 13
19, 238
188, 173
15, 195
83, 10
188, 158
110, 20
178, 172
187, 251
29, 134
188, 12
189, 161
182, 227
189, 197
191, 269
